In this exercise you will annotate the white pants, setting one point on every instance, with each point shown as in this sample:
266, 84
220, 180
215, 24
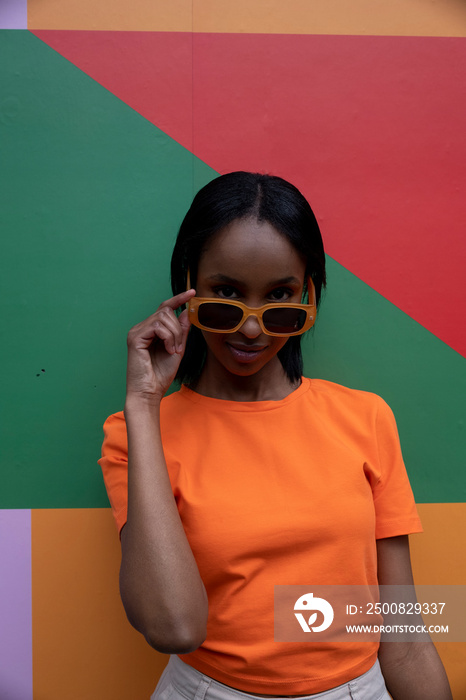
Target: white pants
182, 682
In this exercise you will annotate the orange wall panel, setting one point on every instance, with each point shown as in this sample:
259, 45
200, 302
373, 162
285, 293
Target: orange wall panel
438, 558
83, 645
111, 15
384, 18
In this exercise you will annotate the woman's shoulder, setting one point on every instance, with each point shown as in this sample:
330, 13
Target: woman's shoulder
116, 421
360, 411
345, 396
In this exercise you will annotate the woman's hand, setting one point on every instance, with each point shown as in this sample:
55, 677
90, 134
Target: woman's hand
155, 349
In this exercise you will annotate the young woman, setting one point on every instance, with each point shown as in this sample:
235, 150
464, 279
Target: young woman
252, 475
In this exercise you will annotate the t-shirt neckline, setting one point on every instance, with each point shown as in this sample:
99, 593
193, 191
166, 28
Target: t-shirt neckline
228, 405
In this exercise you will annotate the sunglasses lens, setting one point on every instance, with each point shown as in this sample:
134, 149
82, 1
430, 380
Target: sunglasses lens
284, 320
221, 317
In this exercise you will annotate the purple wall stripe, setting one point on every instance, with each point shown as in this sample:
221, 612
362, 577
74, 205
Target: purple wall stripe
13, 14
15, 605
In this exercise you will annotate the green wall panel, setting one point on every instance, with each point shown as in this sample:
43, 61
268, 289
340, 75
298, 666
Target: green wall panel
91, 198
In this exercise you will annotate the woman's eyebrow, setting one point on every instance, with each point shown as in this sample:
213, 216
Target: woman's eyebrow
223, 278
287, 280
232, 280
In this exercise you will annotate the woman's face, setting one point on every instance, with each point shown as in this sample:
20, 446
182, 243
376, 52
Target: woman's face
251, 262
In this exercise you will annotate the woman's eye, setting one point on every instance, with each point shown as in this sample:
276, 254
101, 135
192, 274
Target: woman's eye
226, 292
281, 294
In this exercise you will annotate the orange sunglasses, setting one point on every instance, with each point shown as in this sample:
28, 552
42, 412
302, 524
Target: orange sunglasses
226, 316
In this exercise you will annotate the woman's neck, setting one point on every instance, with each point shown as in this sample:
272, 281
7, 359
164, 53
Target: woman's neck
269, 384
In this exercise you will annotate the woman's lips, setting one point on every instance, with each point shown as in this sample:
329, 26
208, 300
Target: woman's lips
244, 353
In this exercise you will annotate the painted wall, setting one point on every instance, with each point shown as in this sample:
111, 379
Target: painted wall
110, 120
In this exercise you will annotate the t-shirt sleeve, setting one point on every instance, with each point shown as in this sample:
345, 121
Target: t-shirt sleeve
114, 464
395, 508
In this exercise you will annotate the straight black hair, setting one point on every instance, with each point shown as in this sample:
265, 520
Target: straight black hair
243, 195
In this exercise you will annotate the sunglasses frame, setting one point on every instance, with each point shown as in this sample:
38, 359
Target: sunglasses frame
196, 302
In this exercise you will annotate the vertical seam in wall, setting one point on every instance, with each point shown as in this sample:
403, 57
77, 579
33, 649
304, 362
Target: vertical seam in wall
192, 97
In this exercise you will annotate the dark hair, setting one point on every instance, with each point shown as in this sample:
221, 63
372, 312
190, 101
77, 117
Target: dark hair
242, 195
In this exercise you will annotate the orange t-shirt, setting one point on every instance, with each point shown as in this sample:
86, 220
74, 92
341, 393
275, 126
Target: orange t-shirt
271, 493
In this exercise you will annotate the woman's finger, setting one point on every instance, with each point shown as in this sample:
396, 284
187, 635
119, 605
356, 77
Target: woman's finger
185, 325
167, 335
178, 333
179, 299
147, 330
143, 328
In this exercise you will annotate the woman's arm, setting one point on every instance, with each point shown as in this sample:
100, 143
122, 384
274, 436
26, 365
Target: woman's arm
160, 585
412, 670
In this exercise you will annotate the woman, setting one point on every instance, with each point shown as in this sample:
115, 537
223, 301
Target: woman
277, 479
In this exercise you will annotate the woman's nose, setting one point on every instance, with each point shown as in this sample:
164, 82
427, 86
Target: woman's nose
251, 327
